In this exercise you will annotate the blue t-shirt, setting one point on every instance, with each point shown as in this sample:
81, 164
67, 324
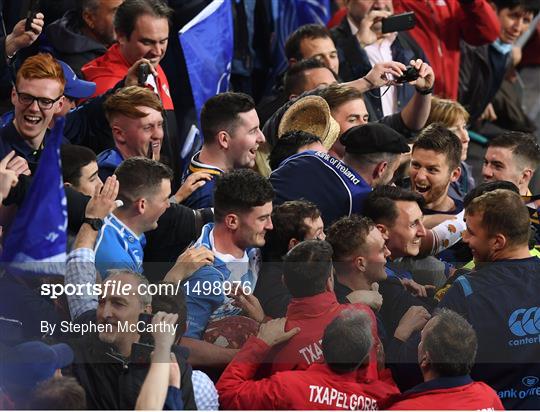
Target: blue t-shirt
334, 187
117, 247
501, 300
206, 290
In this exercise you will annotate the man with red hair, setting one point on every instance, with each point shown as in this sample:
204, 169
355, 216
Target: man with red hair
38, 94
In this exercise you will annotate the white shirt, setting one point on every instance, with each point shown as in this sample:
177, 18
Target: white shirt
379, 52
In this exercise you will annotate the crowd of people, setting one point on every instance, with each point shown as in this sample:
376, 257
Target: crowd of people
359, 232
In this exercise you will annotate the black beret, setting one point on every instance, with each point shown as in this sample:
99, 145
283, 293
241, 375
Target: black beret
373, 138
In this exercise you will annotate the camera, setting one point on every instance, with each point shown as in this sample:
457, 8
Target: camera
410, 74
142, 73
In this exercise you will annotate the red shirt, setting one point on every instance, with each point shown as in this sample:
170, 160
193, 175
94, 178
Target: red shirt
312, 315
440, 25
318, 387
109, 69
455, 393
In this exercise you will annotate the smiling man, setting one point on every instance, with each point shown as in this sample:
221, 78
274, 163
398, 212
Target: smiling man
145, 187
37, 96
134, 114
435, 160
232, 136
500, 298
142, 31
243, 210
514, 157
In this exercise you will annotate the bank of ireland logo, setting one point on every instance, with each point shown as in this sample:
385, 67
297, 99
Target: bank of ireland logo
523, 322
530, 381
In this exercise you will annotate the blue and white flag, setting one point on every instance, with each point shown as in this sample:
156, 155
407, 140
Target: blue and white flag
37, 240
288, 15
208, 43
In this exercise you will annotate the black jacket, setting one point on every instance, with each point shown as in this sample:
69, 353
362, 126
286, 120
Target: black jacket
354, 63
112, 382
479, 80
63, 38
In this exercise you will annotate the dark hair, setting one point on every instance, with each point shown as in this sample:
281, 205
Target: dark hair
307, 31
488, 187
221, 111
130, 10
288, 144
90, 5
307, 267
439, 139
522, 145
288, 220
170, 302
139, 177
74, 158
240, 190
347, 235
450, 344
504, 212
339, 94
531, 6
58, 393
380, 204
347, 341
295, 77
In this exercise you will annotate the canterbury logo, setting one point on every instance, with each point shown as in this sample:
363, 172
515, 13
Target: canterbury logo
524, 322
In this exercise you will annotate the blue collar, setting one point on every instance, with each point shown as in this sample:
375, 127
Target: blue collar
440, 383
502, 48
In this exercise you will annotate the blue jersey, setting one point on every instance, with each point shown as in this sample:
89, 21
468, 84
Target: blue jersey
204, 196
501, 300
206, 290
117, 247
334, 187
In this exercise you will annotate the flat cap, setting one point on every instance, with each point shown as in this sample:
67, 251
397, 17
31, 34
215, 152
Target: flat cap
373, 138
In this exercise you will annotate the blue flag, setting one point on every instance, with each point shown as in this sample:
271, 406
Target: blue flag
208, 43
36, 242
288, 15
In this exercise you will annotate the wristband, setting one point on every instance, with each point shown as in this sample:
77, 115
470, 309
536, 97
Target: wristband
424, 92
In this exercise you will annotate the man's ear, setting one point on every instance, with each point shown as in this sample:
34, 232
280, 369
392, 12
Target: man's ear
67, 184
223, 138
499, 242
118, 134
292, 61
89, 19
360, 263
140, 205
292, 243
383, 229
14, 97
379, 169
147, 309
455, 175
231, 221
526, 176
59, 104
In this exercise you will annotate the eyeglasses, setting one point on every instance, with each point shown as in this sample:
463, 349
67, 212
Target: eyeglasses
43, 102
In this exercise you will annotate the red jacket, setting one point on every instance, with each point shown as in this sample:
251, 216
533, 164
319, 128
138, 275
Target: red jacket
455, 393
109, 69
318, 387
312, 315
440, 25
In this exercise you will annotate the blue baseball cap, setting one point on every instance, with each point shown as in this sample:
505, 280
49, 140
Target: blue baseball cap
76, 87
29, 363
